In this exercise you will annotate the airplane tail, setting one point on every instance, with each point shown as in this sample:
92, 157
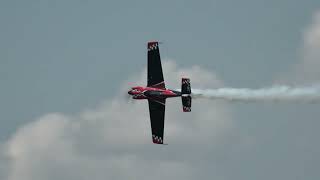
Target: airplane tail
185, 86
185, 94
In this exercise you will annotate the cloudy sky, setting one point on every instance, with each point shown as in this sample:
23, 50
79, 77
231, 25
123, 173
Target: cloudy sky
65, 65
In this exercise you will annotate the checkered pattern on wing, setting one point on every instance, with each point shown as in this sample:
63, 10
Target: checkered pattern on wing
157, 140
152, 46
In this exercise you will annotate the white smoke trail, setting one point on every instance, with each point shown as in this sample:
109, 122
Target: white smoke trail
274, 94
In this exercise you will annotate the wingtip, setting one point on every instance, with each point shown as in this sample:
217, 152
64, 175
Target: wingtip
156, 142
152, 42
157, 139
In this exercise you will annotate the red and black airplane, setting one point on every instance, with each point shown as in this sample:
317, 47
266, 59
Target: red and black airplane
156, 93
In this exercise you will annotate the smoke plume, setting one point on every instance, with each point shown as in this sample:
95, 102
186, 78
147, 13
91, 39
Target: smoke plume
274, 94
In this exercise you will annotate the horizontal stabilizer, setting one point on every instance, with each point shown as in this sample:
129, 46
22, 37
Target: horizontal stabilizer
186, 103
185, 86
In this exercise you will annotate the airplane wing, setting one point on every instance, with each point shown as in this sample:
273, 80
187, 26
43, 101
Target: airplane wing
157, 111
155, 75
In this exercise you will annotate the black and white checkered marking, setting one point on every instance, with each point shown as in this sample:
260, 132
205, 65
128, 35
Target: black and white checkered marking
186, 109
153, 47
185, 81
157, 139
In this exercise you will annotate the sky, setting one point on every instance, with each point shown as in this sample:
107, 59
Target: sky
65, 65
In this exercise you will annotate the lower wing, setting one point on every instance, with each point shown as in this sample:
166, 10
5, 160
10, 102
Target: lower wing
157, 112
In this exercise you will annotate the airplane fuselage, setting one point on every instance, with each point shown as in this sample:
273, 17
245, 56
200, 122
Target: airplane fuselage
140, 92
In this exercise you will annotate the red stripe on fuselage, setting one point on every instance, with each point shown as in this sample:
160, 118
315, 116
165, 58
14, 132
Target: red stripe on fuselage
138, 93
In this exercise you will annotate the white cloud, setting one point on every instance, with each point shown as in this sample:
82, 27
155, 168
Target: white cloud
113, 141
307, 70
4, 162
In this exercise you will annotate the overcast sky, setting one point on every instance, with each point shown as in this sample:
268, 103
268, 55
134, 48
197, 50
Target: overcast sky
64, 66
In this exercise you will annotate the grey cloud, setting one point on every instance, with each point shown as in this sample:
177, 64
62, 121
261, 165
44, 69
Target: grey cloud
113, 140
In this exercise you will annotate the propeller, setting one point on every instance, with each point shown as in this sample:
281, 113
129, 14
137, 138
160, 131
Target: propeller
127, 96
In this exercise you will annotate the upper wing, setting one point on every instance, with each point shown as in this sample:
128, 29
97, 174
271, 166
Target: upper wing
157, 111
155, 75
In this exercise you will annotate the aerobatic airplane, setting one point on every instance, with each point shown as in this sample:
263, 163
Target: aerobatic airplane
156, 93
